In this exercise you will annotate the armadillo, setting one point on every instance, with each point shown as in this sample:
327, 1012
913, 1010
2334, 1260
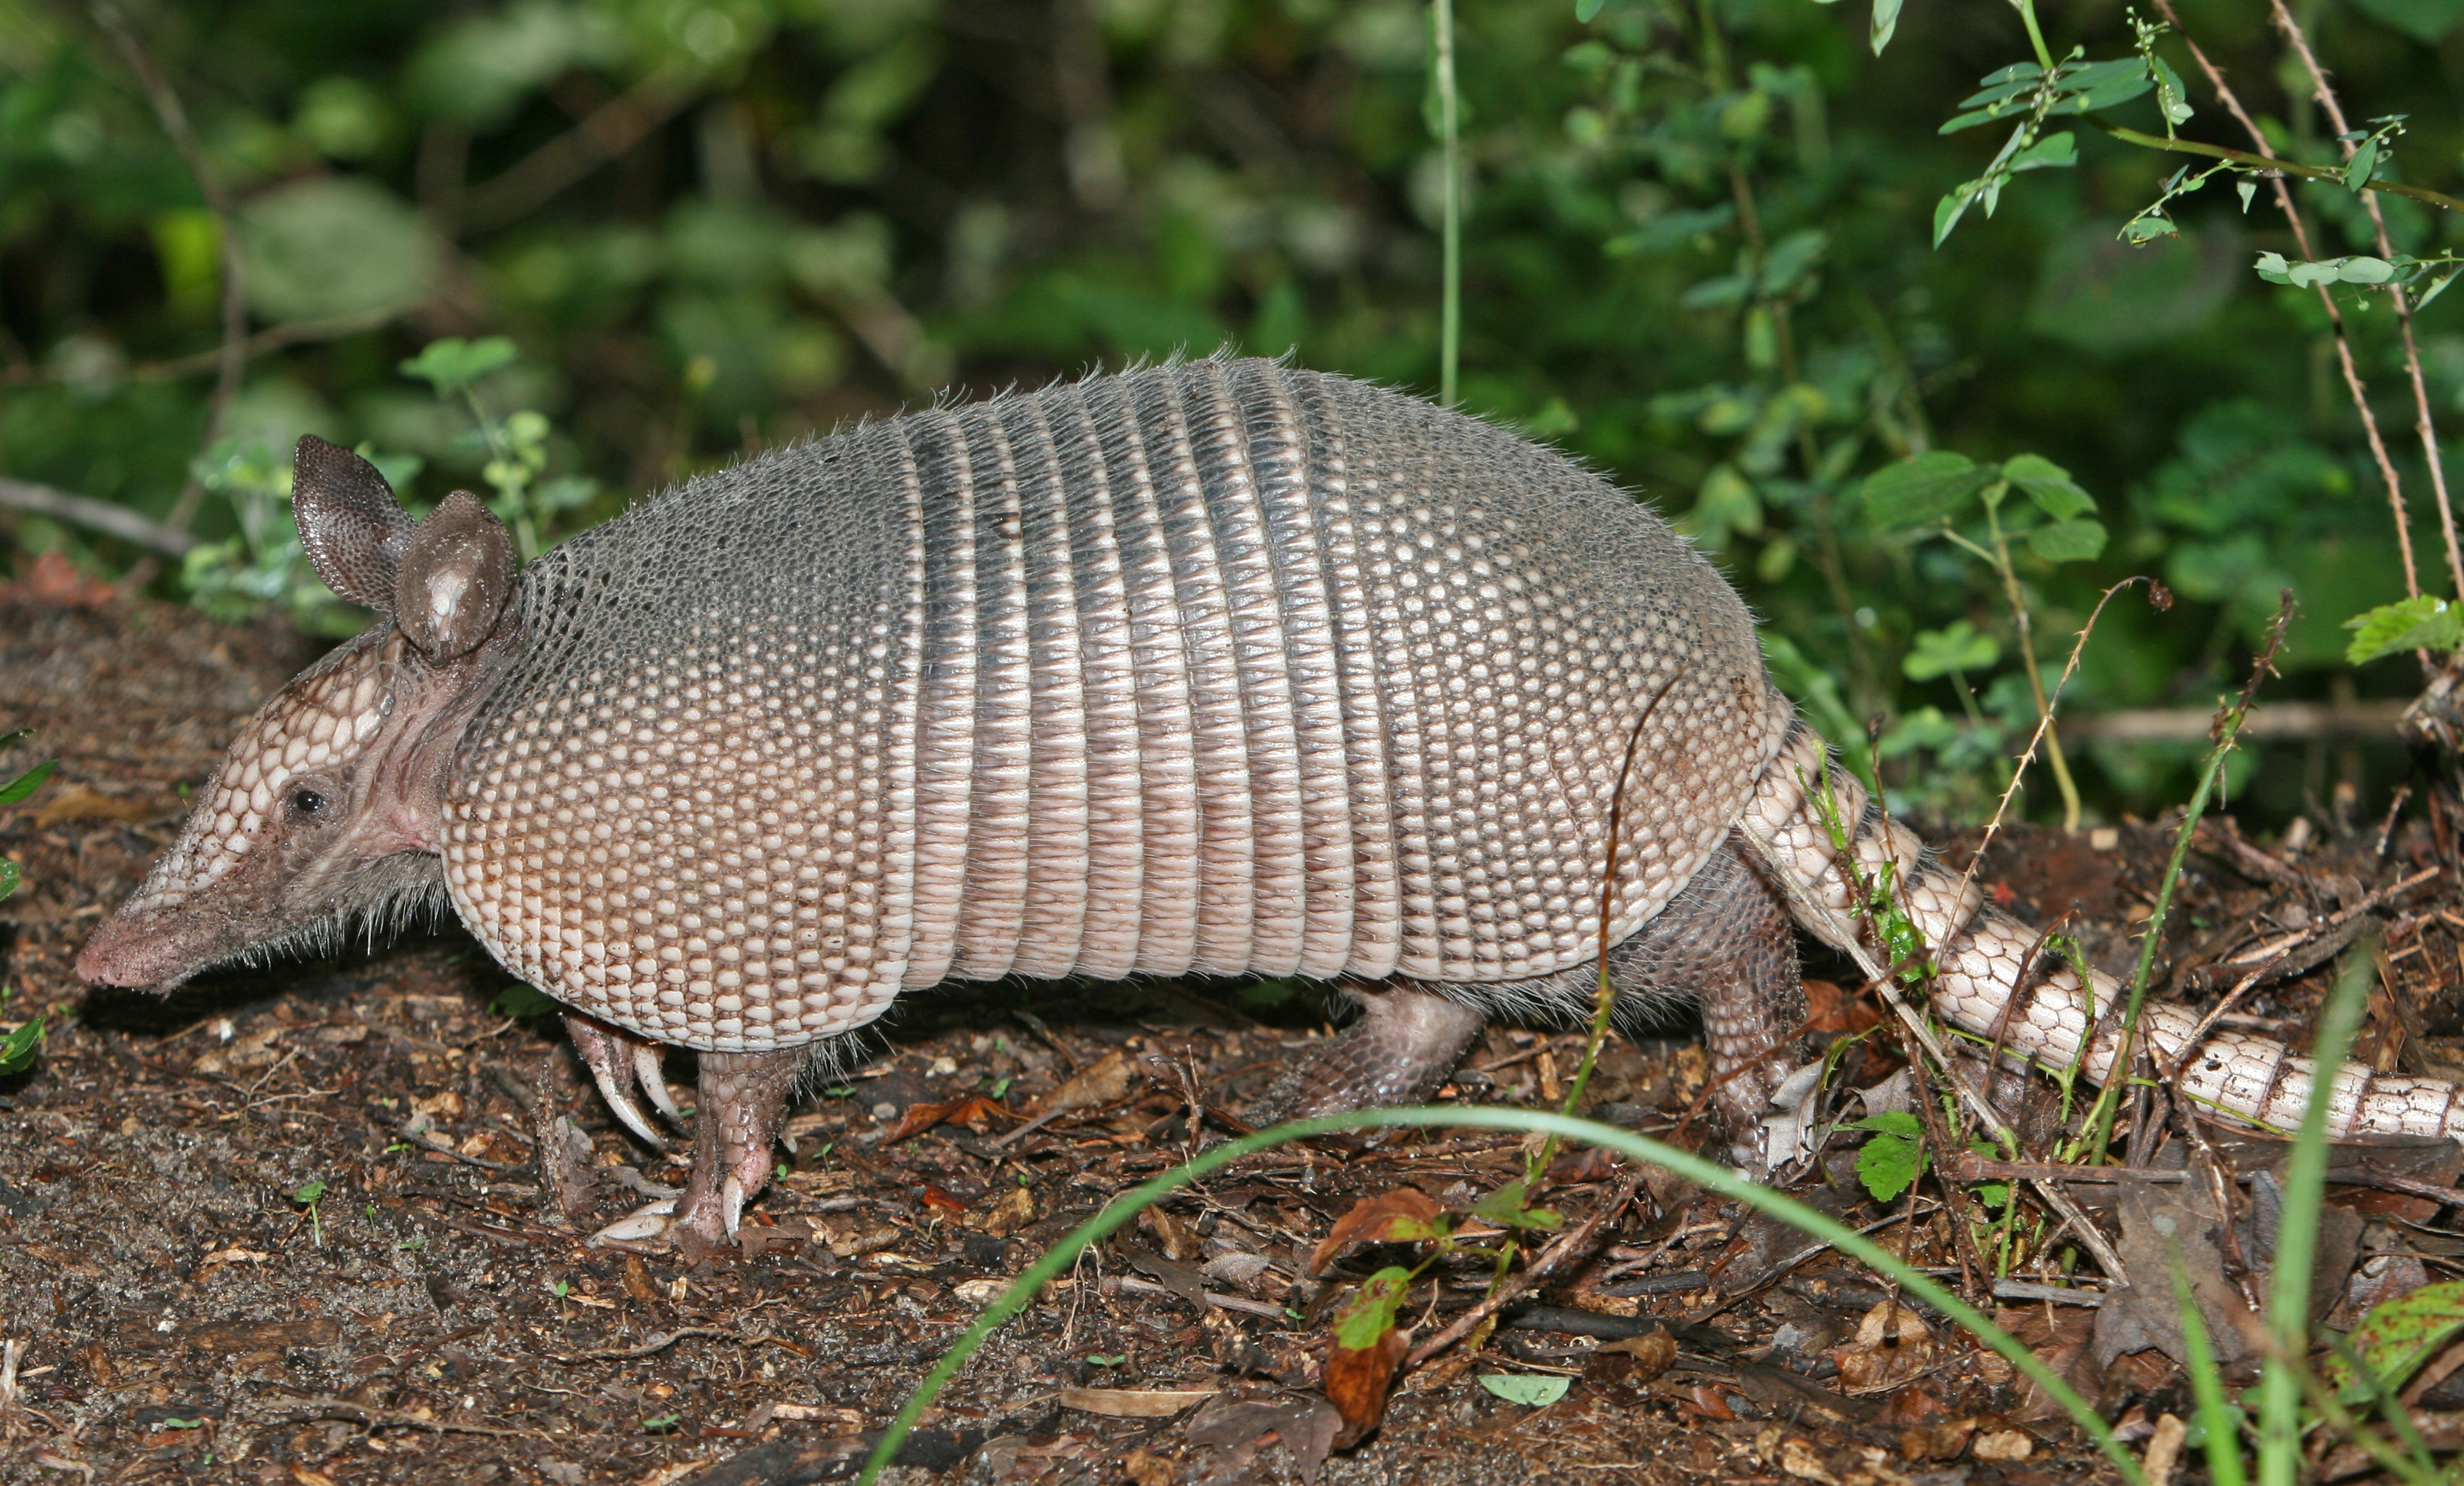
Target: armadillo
1222, 667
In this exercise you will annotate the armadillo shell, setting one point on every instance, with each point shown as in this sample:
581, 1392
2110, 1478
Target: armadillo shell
1220, 667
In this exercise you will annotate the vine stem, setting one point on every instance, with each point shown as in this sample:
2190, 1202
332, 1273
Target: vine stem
2424, 424
2027, 10
2353, 385
2243, 157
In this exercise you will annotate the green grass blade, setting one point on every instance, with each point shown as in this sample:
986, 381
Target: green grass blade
2296, 1236
2218, 1419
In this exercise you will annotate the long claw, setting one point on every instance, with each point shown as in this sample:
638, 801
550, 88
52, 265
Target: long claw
603, 1051
620, 1100
647, 1073
651, 1221
730, 1203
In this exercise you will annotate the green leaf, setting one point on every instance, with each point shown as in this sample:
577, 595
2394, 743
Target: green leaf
2398, 1335
2246, 190
2068, 542
332, 247
1587, 10
2364, 271
2420, 623
2170, 96
27, 783
1894, 1158
2049, 485
453, 363
2052, 152
17, 1050
2094, 86
1948, 212
1366, 1316
2356, 171
9, 877
1959, 647
308, 1193
1508, 1207
1532, 1389
1921, 489
1887, 20
2147, 227
2425, 21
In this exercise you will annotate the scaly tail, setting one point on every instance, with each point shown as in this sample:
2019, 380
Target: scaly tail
1985, 986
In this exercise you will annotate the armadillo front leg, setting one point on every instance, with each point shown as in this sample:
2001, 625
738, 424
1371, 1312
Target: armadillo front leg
621, 1063
742, 1096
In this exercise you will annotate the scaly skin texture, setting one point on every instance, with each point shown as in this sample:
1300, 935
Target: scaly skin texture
1222, 667
1985, 988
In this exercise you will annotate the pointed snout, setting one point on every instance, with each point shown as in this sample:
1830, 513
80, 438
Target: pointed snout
148, 950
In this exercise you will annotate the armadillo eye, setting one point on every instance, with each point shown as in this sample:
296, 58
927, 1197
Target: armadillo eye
307, 801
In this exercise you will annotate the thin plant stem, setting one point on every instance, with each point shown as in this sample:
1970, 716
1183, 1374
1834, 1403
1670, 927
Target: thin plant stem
1449, 135
2009, 576
233, 355
2228, 722
2027, 10
2182, 147
2423, 423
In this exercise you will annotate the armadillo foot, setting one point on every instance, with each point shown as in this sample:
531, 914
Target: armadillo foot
615, 1059
1405, 1043
742, 1096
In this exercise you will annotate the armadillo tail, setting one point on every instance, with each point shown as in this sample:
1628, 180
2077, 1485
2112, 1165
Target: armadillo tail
1987, 986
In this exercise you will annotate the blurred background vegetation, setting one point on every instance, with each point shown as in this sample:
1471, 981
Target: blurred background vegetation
1698, 253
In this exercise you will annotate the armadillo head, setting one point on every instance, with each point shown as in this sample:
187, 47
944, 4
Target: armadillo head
328, 807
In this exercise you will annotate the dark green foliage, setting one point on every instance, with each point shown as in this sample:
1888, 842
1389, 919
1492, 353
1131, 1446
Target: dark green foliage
1702, 259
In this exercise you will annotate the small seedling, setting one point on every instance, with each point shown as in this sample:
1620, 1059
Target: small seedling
308, 1194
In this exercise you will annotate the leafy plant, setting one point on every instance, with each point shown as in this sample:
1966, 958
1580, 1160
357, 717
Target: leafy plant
516, 444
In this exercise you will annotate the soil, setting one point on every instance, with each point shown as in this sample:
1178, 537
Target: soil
287, 1224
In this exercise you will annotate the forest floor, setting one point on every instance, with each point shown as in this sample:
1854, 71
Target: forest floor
287, 1224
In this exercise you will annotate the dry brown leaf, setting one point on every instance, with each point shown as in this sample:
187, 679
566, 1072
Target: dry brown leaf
971, 1111
1355, 1383
1015, 1210
1134, 1402
1652, 1354
76, 801
1400, 1214
1173, 1236
2003, 1445
1893, 1344
1797, 1458
1143, 1468
1233, 1430
1106, 1081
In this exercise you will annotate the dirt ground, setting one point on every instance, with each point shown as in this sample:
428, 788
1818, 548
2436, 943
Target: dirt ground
287, 1224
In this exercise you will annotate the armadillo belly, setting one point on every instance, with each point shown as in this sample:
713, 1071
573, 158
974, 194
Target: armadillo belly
1220, 667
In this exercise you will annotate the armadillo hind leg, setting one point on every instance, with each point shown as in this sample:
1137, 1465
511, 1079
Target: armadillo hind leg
1406, 1041
622, 1064
742, 1098
1725, 942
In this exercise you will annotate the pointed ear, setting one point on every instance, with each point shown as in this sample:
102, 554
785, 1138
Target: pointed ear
349, 522
457, 573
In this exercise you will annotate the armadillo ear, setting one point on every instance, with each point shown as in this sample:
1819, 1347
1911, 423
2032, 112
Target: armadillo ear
349, 522
457, 572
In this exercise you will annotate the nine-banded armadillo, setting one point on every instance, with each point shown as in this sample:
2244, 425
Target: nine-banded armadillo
1220, 667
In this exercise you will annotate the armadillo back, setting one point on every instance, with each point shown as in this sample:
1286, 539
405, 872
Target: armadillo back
1221, 666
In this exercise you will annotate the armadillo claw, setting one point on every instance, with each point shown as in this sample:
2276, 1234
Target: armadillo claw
647, 1073
731, 1203
614, 1059
651, 1221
